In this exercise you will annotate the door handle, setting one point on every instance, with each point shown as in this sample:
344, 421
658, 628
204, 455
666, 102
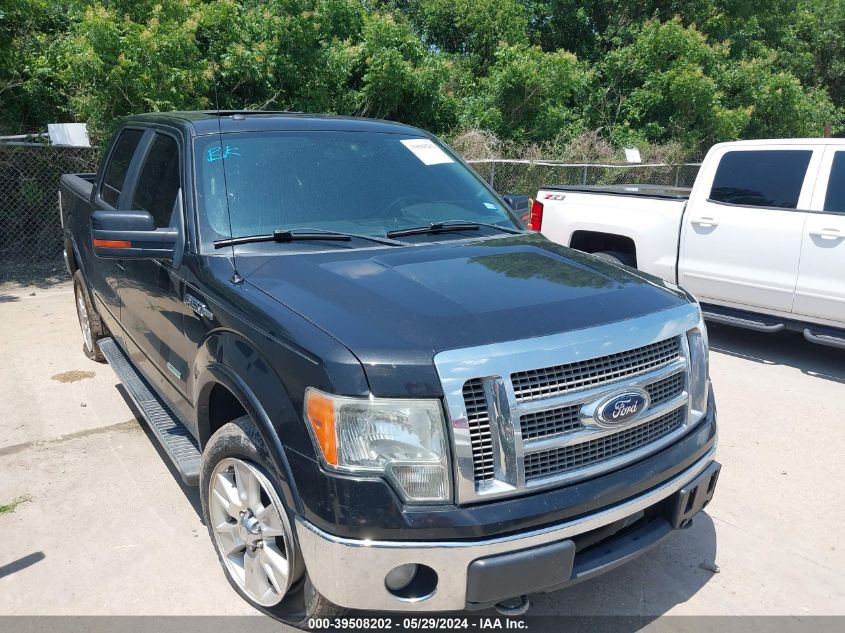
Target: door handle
828, 234
705, 221
199, 307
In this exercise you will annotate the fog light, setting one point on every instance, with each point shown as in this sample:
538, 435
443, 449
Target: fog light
400, 577
421, 482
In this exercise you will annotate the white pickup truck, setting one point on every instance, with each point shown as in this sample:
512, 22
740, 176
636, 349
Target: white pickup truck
759, 239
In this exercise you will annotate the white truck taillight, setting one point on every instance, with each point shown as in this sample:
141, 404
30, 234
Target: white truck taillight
535, 220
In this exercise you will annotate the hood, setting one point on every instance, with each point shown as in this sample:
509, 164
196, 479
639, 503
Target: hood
397, 307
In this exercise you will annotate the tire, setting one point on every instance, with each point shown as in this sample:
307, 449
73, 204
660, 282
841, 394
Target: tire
92, 326
616, 257
242, 525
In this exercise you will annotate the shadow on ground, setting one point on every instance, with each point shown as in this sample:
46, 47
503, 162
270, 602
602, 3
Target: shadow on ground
191, 494
643, 589
41, 274
783, 348
22, 563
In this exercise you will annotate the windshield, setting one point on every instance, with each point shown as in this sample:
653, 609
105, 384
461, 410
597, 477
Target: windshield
354, 182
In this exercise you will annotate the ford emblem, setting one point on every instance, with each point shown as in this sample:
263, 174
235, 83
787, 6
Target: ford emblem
622, 408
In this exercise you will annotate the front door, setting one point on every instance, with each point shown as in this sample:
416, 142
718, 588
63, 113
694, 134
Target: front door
821, 277
152, 291
741, 240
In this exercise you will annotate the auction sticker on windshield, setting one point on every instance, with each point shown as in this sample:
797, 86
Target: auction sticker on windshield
427, 151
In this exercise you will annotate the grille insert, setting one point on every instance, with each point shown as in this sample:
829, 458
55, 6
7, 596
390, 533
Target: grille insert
551, 422
567, 419
550, 381
667, 388
561, 460
479, 430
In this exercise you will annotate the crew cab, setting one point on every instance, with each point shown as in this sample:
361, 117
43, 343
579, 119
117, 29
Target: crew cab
759, 240
391, 396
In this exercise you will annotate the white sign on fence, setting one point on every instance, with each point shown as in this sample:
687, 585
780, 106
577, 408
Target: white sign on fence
632, 155
75, 134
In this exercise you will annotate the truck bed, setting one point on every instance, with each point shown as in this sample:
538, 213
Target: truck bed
643, 191
80, 184
616, 218
74, 197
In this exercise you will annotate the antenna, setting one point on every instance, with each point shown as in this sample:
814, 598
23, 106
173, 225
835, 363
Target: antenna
236, 277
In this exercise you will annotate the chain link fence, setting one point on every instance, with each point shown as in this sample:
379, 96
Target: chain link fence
527, 176
30, 231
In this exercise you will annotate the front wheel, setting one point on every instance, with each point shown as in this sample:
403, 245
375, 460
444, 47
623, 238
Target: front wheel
251, 529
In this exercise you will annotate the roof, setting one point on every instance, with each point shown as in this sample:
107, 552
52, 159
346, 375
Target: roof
199, 123
784, 141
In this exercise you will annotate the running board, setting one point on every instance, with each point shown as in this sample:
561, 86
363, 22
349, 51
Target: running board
758, 326
176, 440
824, 339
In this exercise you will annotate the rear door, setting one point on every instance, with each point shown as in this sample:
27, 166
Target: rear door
821, 277
741, 240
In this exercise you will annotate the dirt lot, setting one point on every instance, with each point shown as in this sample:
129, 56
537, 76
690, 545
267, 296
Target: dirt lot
104, 526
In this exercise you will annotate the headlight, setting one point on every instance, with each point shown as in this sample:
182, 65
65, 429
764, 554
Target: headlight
699, 374
405, 440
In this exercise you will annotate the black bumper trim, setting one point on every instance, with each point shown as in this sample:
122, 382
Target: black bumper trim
528, 571
557, 565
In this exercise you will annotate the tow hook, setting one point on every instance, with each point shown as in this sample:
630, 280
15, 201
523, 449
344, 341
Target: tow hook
514, 606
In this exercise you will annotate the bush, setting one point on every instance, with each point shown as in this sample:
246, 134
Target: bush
686, 72
529, 95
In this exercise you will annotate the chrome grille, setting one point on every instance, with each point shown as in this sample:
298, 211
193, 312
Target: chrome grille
560, 379
479, 429
551, 422
525, 414
666, 389
568, 458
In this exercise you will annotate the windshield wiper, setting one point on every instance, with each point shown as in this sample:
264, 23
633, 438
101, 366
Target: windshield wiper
297, 235
451, 225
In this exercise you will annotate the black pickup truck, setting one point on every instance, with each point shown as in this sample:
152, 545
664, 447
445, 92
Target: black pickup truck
391, 396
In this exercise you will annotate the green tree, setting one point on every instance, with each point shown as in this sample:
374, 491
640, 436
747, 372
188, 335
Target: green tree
400, 79
662, 86
311, 55
686, 71
671, 84
813, 46
590, 28
471, 28
108, 65
529, 94
25, 26
777, 105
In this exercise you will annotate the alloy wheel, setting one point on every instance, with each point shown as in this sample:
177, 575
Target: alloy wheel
84, 323
251, 531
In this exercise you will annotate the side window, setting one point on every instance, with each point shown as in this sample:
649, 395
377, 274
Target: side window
158, 182
765, 178
835, 198
118, 165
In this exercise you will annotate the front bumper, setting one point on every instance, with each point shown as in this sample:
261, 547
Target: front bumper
476, 573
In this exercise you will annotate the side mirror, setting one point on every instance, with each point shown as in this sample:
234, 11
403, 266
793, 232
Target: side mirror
131, 235
520, 205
